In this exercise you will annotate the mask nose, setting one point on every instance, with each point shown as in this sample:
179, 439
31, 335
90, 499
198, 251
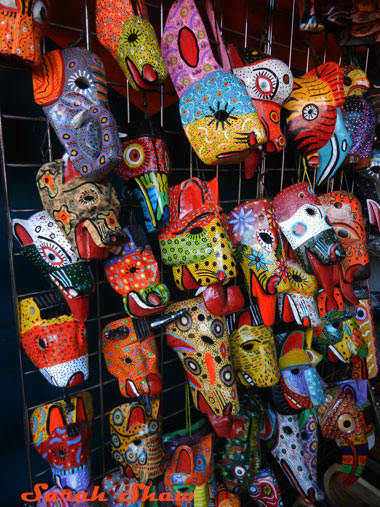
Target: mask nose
149, 74
335, 253
314, 386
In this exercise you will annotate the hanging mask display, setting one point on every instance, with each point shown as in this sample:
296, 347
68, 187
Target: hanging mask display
303, 222
308, 424
190, 470
22, 27
62, 433
239, 459
264, 489
359, 118
201, 342
253, 351
300, 385
311, 109
145, 168
86, 212
364, 319
57, 347
289, 455
367, 190
133, 361
254, 233
217, 114
44, 244
196, 245
134, 273
136, 439
71, 87
339, 418
269, 83
123, 28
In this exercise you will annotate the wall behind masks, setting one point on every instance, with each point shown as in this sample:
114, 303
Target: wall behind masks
26, 144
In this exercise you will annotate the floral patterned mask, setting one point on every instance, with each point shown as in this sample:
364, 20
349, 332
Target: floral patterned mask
201, 342
308, 424
364, 319
134, 274
115, 484
136, 439
196, 245
44, 244
145, 168
217, 114
253, 351
300, 382
254, 233
71, 87
57, 347
85, 212
289, 455
22, 26
133, 361
62, 434
264, 489
123, 27
339, 418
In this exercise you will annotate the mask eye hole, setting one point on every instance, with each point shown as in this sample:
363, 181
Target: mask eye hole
42, 343
338, 205
82, 83
240, 471
337, 325
346, 423
39, 12
247, 346
137, 441
310, 112
311, 212
287, 430
127, 360
295, 371
347, 81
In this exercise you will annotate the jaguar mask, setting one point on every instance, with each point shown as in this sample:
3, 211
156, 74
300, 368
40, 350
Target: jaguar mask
217, 114
136, 438
123, 28
134, 273
364, 319
339, 418
45, 245
254, 233
197, 247
253, 351
71, 87
145, 168
86, 212
62, 433
57, 347
22, 27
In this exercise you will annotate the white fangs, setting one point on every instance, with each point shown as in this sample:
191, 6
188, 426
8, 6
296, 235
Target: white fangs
247, 378
200, 290
133, 387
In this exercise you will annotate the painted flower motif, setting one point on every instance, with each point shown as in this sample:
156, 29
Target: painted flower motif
110, 219
282, 269
64, 217
242, 221
47, 181
259, 260
272, 219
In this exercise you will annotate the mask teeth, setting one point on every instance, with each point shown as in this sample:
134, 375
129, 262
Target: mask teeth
70, 471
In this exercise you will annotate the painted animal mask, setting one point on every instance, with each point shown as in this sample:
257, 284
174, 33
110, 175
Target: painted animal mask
344, 213
304, 224
239, 459
253, 351
367, 190
300, 385
339, 418
57, 347
123, 27
136, 439
85, 212
71, 87
115, 484
45, 245
364, 319
201, 342
62, 434
311, 109
308, 424
217, 114
22, 26
190, 470
253, 230
196, 245
289, 455
134, 362
134, 273
145, 168
264, 489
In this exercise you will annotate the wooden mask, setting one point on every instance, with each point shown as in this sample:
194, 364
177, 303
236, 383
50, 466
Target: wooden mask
264, 489
86, 212
71, 87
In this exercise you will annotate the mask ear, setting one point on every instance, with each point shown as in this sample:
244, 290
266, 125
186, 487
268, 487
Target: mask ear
136, 416
81, 415
21, 233
213, 187
184, 461
190, 198
245, 319
56, 419
49, 78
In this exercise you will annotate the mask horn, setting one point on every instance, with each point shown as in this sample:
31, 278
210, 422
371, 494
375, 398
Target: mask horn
145, 327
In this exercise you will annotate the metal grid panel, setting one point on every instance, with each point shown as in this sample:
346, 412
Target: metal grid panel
273, 174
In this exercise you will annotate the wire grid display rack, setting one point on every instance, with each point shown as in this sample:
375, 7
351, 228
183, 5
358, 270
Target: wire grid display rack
271, 176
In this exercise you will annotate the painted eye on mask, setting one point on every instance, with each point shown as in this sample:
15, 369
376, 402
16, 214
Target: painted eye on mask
153, 427
39, 12
346, 233
134, 155
117, 456
54, 255
185, 322
266, 239
118, 417
310, 112
240, 472
361, 313
143, 458
115, 441
346, 423
217, 328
